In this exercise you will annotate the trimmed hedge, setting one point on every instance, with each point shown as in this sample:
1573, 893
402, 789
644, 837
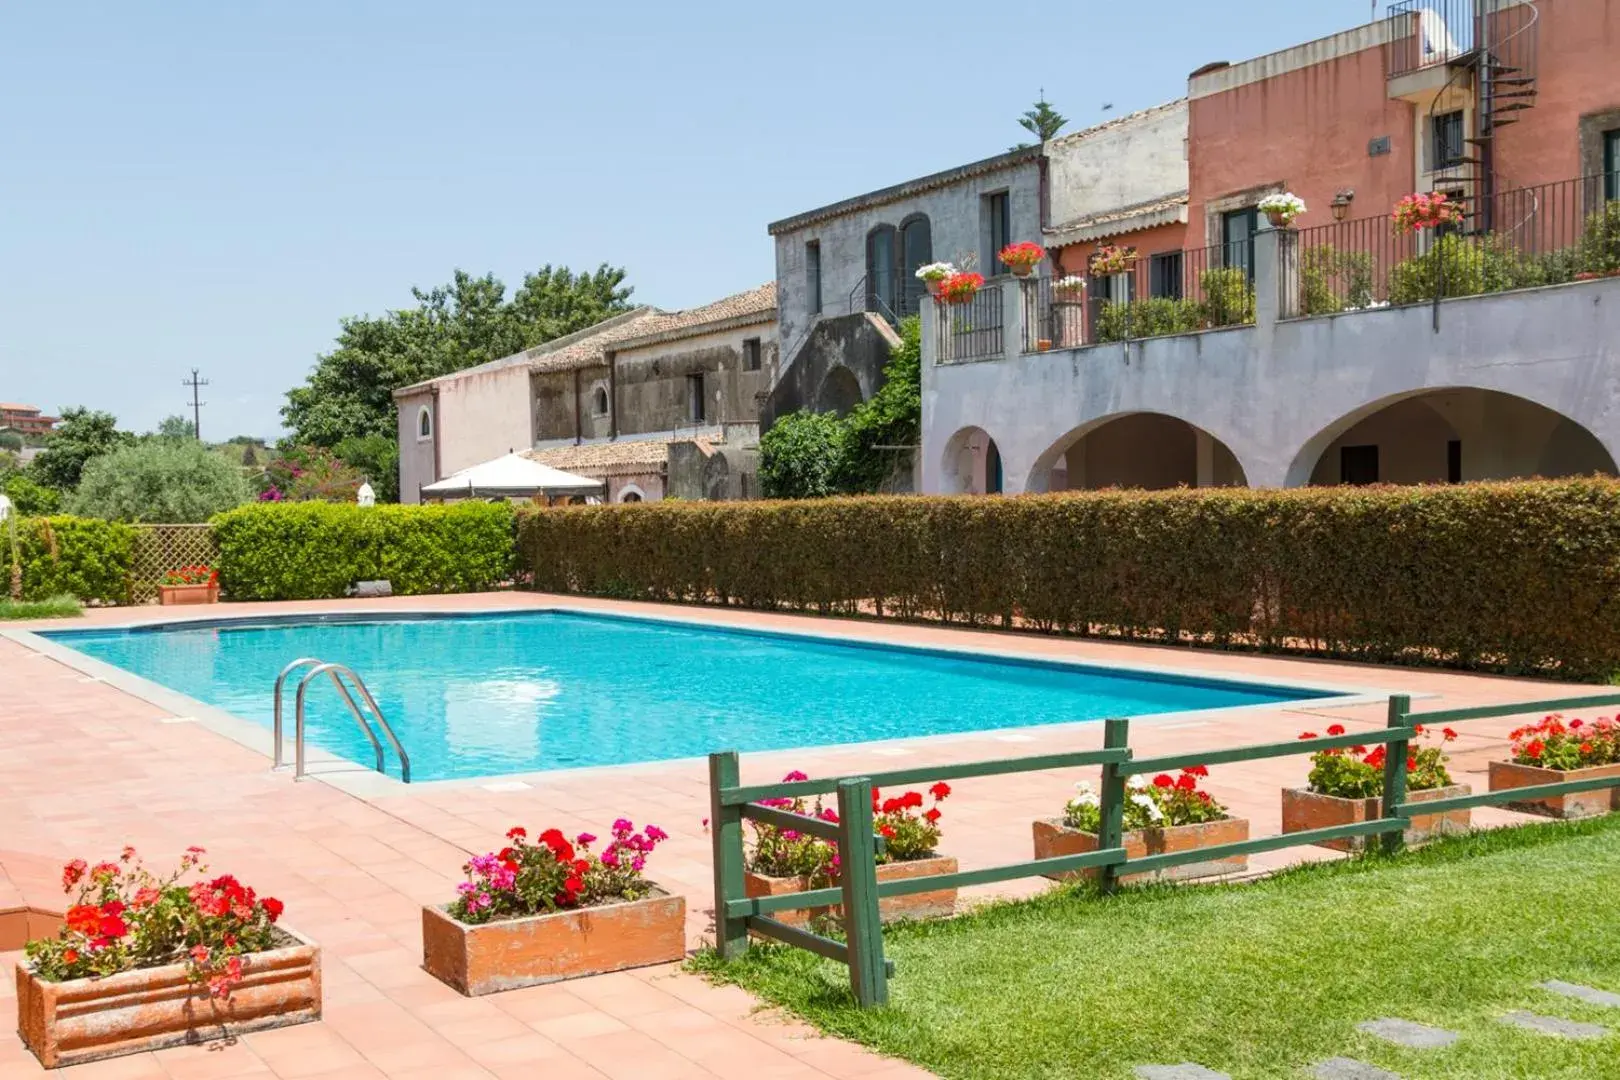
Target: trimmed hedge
310, 551
1516, 577
86, 557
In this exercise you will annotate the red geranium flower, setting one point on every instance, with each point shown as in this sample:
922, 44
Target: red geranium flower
940, 790
1196, 770
83, 918
273, 908
1185, 782
1163, 780
516, 832
932, 815
1335, 729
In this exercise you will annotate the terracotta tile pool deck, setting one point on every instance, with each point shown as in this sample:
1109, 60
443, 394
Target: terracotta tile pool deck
86, 768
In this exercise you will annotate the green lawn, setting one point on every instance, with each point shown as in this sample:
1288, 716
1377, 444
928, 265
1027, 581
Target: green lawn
1258, 980
54, 608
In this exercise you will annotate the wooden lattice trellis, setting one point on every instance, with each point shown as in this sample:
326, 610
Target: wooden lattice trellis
161, 548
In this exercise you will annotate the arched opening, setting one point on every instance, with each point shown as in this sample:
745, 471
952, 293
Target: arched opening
1144, 450
916, 251
631, 493
882, 270
840, 391
424, 424
972, 464
1449, 436
599, 401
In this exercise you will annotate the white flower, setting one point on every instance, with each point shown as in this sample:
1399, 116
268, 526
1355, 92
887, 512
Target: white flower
938, 271
1287, 205
1071, 283
1087, 796
1146, 802
1137, 782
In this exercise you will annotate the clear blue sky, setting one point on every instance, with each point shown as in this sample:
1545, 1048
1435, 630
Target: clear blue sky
216, 184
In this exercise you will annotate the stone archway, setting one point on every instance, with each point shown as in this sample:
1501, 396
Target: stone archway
839, 393
1449, 435
1146, 450
971, 464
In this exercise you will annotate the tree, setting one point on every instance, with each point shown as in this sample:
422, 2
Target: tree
159, 480
801, 456
176, 427
309, 474
1043, 122
81, 436
349, 394
377, 458
30, 498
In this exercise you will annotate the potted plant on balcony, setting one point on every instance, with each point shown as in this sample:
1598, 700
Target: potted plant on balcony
552, 909
1112, 259
144, 962
1162, 815
778, 861
961, 287
190, 585
934, 275
909, 825
1556, 750
1347, 786
1070, 289
1281, 210
1426, 210
1022, 257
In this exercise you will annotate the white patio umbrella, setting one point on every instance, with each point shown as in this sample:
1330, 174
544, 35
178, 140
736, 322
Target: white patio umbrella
512, 476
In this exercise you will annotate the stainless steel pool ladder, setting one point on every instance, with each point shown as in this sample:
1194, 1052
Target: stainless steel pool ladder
337, 673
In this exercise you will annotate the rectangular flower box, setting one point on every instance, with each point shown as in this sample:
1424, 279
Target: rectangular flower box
934, 904
1054, 838
1303, 810
1506, 775
80, 1020
756, 885
510, 953
188, 594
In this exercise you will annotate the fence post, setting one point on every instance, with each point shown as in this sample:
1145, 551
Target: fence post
1111, 831
1395, 773
725, 830
863, 928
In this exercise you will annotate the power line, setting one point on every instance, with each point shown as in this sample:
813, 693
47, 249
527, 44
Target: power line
196, 385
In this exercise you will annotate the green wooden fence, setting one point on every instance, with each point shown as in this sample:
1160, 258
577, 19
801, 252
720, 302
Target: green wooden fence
731, 802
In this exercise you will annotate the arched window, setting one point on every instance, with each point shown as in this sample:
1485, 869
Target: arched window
631, 493
601, 401
882, 269
916, 250
630, 497
424, 424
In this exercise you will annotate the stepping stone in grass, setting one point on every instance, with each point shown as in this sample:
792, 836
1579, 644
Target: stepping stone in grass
1350, 1069
1588, 994
1406, 1033
1185, 1071
1554, 1025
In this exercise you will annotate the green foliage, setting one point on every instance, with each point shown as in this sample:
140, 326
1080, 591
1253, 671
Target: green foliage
1332, 280
178, 481
892, 417
30, 498
1228, 296
470, 321
11, 440
1122, 321
53, 607
1516, 577
376, 458
801, 456
81, 557
1600, 242
81, 436
310, 474
315, 550
175, 427
1042, 121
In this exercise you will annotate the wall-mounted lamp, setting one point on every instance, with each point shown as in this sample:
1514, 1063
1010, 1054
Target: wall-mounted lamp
1341, 203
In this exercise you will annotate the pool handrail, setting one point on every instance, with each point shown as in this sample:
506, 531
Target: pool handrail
337, 672
281, 681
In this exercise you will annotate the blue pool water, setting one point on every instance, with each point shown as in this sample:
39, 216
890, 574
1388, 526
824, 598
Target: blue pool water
486, 695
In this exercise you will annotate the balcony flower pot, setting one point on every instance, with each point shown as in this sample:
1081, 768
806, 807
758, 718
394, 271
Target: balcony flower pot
1054, 838
756, 885
188, 594
1043, 344
506, 954
1303, 809
1506, 775
81, 1020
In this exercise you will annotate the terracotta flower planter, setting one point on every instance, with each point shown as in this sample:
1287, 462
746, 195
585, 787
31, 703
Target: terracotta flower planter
188, 594
1506, 775
1303, 810
1054, 838
934, 904
80, 1020
1278, 219
755, 885
510, 953
1021, 270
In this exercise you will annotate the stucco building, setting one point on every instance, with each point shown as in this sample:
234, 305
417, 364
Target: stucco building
650, 401
25, 420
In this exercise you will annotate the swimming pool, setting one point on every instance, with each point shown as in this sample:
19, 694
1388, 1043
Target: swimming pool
484, 695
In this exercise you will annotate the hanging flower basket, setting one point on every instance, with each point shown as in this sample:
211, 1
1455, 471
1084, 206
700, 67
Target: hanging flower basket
934, 275
1281, 210
1112, 259
1430, 210
961, 288
1069, 290
1022, 258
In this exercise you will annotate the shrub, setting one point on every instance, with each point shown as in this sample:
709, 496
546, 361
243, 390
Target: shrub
29, 497
1228, 296
314, 550
81, 557
159, 481
1455, 266
801, 455
891, 417
1600, 243
1332, 280
1358, 773
1148, 318
1517, 577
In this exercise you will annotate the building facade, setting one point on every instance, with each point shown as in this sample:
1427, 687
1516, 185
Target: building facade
26, 420
608, 401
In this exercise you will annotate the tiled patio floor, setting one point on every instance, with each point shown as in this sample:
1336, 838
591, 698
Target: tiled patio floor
86, 768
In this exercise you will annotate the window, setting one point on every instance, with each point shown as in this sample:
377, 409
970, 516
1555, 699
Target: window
751, 354
1237, 234
1454, 461
600, 401
694, 398
993, 477
916, 251
1446, 147
881, 270
812, 274
424, 424
1358, 465
1611, 164
631, 497
995, 213
1164, 275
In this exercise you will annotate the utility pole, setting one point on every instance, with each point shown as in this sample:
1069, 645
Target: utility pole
196, 385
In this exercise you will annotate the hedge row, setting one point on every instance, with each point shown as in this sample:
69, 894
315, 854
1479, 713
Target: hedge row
309, 551
1516, 577
84, 557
